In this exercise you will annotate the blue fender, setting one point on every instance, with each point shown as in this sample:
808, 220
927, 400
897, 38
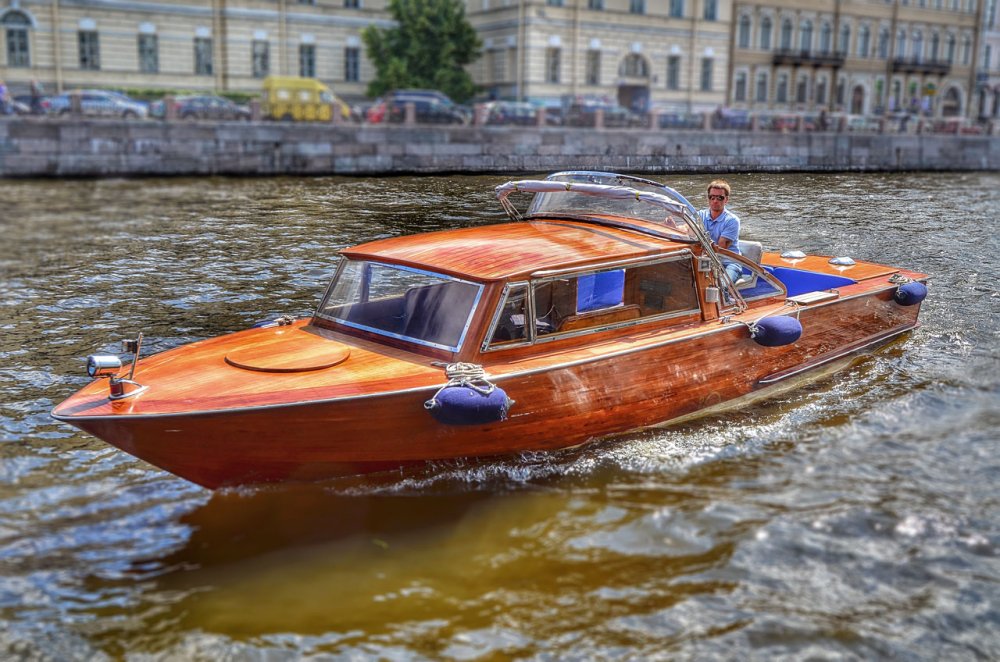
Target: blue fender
911, 293
464, 405
776, 331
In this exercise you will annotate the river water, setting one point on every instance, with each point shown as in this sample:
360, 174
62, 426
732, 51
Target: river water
857, 517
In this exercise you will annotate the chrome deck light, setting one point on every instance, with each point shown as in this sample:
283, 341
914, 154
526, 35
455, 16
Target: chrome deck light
109, 365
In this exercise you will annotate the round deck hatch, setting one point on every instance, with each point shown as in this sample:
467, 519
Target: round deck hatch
291, 351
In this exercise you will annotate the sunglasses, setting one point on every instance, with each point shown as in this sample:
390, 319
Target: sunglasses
716, 197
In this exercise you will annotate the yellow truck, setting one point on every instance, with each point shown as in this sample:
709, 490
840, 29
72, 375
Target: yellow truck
300, 99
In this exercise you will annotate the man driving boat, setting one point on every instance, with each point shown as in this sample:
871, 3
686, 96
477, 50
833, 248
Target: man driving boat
722, 225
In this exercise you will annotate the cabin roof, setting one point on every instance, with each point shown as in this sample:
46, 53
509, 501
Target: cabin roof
511, 250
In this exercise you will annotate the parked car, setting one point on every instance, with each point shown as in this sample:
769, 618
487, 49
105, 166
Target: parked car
584, 113
204, 107
431, 107
680, 120
518, 113
97, 103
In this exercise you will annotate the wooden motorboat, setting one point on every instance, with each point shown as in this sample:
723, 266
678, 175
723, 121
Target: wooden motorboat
604, 309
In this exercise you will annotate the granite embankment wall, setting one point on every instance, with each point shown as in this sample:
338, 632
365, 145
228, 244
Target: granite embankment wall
45, 147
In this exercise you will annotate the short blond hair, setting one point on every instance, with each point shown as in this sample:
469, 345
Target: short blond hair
719, 183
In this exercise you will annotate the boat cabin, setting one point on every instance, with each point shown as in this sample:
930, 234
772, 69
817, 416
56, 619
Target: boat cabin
574, 264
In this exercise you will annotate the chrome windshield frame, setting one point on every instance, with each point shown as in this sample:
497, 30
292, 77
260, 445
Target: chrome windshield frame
480, 287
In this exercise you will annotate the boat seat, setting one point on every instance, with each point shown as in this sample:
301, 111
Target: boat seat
751, 250
600, 317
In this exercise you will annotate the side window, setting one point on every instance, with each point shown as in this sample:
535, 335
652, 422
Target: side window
595, 300
510, 326
667, 287
616, 296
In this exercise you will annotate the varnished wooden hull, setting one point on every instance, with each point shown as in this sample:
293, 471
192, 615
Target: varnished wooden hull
561, 403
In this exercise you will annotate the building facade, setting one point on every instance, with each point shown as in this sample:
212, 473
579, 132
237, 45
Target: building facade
856, 56
225, 45
988, 77
672, 55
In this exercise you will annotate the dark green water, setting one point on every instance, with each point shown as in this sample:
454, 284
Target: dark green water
855, 518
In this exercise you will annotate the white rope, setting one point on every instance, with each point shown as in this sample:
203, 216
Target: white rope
470, 375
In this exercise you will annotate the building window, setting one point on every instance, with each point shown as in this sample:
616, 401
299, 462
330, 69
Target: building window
864, 40
935, 46
637, 6
806, 36
781, 93
765, 33
841, 88
786, 35
593, 67
352, 64
261, 59
825, 38
707, 64
744, 33
821, 93
740, 89
762, 87
18, 46
596, 5
634, 66
950, 51
883, 43
674, 72
802, 90
901, 44
554, 3
552, 56
677, 8
918, 46
307, 60
966, 50
90, 50
711, 10
352, 4
149, 54
203, 56
845, 40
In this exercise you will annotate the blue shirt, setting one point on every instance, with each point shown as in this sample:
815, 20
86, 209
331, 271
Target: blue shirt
726, 225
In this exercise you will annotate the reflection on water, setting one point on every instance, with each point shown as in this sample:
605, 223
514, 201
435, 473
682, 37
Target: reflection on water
853, 517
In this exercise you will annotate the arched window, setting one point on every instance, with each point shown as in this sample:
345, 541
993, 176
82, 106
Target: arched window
762, 87
864, 41
806, 35
950, 51
744, 34
634, 66
825, 38
786, 34
16, 25
918, 46
740, 88
765, 33
901, 43
845, 40
935, 46
966, 50
883, 43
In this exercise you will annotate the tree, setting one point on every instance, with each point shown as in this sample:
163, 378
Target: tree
429, 47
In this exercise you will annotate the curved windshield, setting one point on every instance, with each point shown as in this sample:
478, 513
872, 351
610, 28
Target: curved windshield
580, 204
390, 300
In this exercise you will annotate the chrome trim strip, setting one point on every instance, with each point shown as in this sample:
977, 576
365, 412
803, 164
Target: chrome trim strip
781, 376
498, 378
